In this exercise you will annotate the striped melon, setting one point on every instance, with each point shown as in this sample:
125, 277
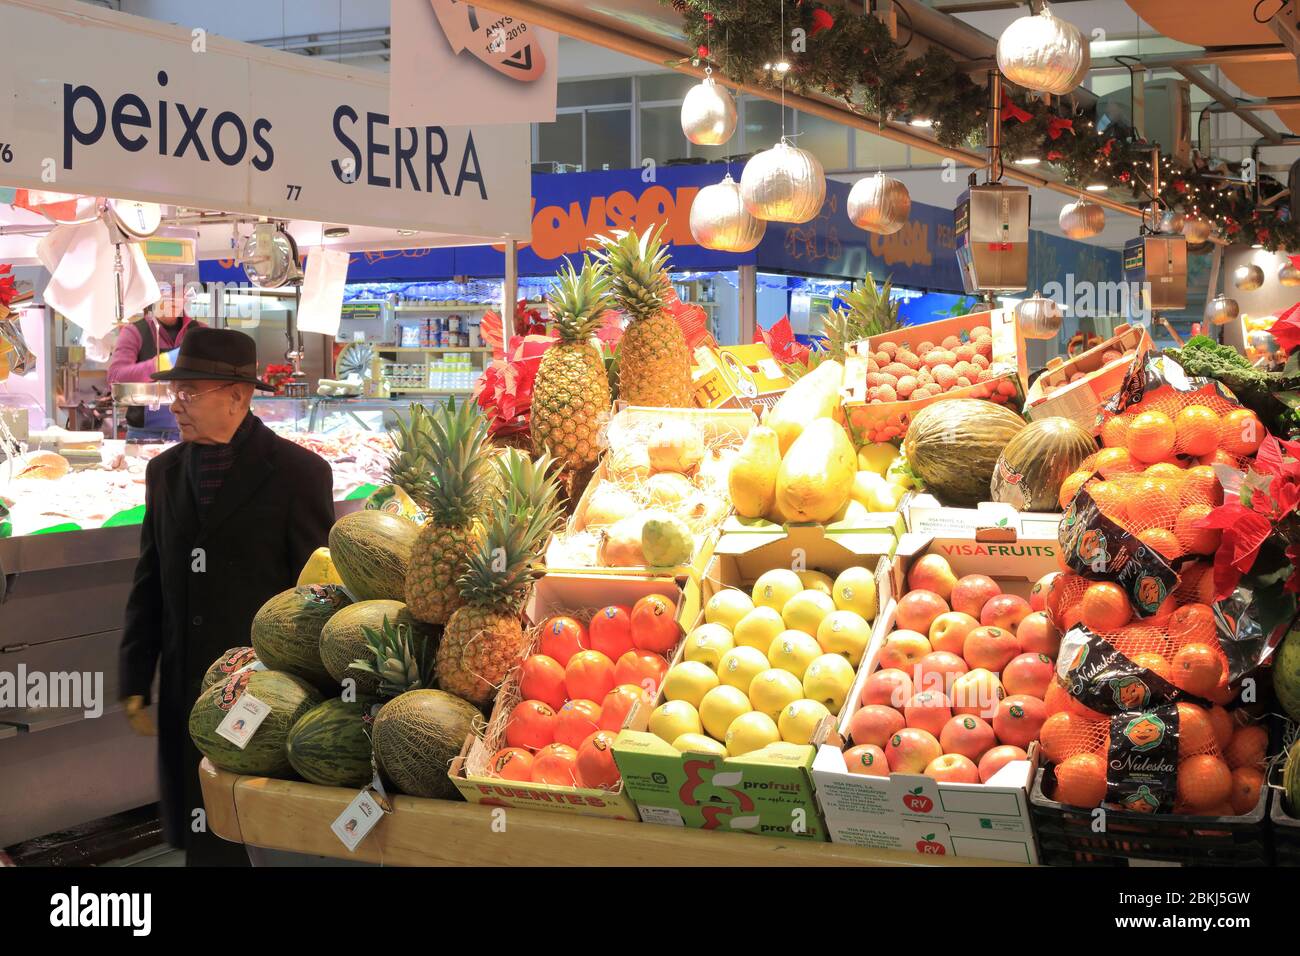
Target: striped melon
416, 736
330, 744
343, 640
1035, 463
1291, 780
953, 446
286, 631
1286, 675
234, 660
264, 755
371, 551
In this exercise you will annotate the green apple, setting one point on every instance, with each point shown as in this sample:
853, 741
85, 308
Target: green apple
855, 590
689, 681
800, 719
844, 632
740, 666
793, 651
771, 690
699, 744
757, 628
707, 644
720, 707
672, 719
773, 588
727, 607
804, 611
749, 732
828, 680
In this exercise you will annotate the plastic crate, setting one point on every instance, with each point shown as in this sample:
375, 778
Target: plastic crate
1066, 836
1286, 832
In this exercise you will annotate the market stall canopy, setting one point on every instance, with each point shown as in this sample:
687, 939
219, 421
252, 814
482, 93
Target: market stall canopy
1215, 24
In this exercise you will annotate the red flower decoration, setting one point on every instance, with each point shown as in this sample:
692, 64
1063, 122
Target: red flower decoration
821, 20
1244, 531
8, 290
1287, 327
1180, 185
1011, 111
781, 342
1058, 125
1124, 176
702, 51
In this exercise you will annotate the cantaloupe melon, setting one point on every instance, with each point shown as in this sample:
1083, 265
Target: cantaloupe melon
288, 698
417, 734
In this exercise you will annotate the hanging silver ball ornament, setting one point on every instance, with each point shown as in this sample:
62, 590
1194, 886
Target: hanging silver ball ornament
1161, 220
719, 219
708, 114
1081, 219
783, 184
1039, 317
1288, 274
1223, 310
879, 204
1196, 229
1043, 54
1248, 278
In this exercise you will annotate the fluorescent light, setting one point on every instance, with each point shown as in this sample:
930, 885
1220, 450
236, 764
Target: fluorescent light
922, 122
1028, 161
1096, 187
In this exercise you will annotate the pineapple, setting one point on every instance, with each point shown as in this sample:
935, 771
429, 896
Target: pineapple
451, 496
571, 393
395, 661
409, 464
654, 361
484, 639
869, 312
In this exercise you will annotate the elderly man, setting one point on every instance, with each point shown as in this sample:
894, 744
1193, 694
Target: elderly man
231, 515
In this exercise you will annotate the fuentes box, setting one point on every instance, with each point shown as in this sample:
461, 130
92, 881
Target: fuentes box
1053, 394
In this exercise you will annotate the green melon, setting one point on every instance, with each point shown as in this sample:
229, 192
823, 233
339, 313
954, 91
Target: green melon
1286, 674
234, 660
371, 551
1036, 462
330, 744
1291, 780
286, 630
288, 696
953, 446
416, 736
343, 640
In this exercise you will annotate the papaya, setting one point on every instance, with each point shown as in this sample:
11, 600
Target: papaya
813, 397
752, 479
817, 473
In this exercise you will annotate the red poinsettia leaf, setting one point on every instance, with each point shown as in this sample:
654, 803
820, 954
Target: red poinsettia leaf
1225, 576
692, 320
1223, 517
1268, 459
1288, 496
490, 329
1287, 328
611, 328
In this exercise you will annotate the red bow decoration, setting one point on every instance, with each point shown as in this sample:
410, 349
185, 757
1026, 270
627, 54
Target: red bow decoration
8, 290
692, 320
1105, 150
1054, 154
1058, 125
781, 342
1013, 112
505, 389
821, 20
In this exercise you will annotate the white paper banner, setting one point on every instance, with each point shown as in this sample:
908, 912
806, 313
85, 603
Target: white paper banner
321, 305
83, 283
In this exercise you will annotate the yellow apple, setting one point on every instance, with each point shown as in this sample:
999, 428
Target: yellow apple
749, 732
773, 588
720, 707
758, 627
800, 719
689, 681
740, 666
727, 607
844, 632
855, 590
884, 498
876, 457
900, 473
828, 680
699, 744
674, 718
707, 644
771, 690
816, 581
853, 511
805, 611
793, 651
864, 484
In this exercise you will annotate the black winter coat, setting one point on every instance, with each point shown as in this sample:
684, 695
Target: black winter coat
199, 583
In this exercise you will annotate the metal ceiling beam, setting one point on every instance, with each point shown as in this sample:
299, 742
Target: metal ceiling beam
1228, 102
1208, 57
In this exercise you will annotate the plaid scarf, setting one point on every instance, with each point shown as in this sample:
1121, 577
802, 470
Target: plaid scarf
209, 464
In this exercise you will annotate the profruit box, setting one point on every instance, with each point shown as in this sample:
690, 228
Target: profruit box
888, 420
1058, 393
558, 593
768, 791
913, 811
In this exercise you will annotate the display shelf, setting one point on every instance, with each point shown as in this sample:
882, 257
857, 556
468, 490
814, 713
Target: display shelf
432, 391
473, 307
296, 817
475, 349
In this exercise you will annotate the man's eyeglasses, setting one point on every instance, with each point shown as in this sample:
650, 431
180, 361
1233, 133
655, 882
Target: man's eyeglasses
185, 396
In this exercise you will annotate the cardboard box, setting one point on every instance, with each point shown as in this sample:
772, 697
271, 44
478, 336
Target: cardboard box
1082, 401
563, 594
910, 810
737, 376
769, 791
988, 520
889, 420
887, 525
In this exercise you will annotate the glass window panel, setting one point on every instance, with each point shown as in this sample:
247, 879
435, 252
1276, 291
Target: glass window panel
661, 134
827, 140
561, 141
665, 86
763, 124
923, 157
716, 154
871, 150
594, 92
609, 139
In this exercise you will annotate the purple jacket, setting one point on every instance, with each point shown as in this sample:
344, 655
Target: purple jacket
125, 366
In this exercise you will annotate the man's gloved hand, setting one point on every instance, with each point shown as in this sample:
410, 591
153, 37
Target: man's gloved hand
137, 714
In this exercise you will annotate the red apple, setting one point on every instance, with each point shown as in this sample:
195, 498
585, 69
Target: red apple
977, 692
1038, 635
1028, 674
868, 760
971, 592
890, 686
997, 758
952, 768
1018, 720
1005, 610
875, 724
990, 648
918, 609
932, 572
937, 671
902, 649
1038, 594
911, 750
928, 710
948, 631
967, 735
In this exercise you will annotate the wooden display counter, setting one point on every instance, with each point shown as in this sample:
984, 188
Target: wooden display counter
296, 817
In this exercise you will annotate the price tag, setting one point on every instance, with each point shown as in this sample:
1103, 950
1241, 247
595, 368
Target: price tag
243, 719
357, 819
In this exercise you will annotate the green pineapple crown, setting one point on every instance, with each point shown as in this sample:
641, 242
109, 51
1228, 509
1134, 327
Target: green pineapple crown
578, 300
394, 660
867, 311
637, 267
409, 463
502, 563
453, 461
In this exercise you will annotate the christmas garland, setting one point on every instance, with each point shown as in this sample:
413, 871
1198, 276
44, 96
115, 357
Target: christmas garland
849, 55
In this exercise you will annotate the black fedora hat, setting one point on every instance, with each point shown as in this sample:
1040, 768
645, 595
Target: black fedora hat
216, 355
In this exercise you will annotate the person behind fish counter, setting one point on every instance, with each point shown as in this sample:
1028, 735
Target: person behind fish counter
150, 344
